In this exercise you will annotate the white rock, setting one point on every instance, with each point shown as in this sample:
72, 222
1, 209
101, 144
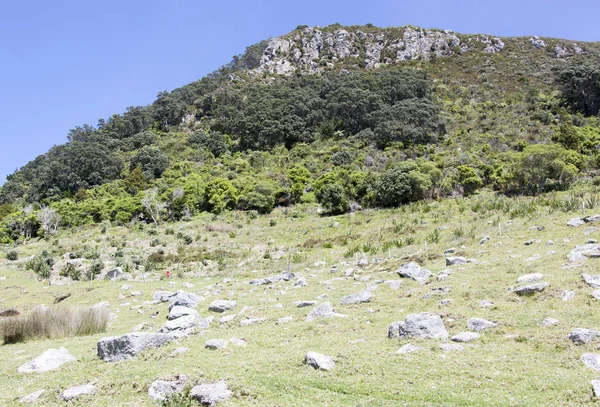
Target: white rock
51, 359
319, 361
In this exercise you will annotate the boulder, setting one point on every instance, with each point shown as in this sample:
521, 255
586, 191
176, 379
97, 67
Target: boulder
51, 359
114, 273
221, 305
413, 271
182, 326
575, 222
453, 261
301, 282
480, 324
591, 360
116, 348
78, 391
581, 336
592, 281
465, 337
423, 325
216, 344
324, 310
582, 252
530, 278
185, 299
32, 397
162, 296
180, 311
160, 390
287, 276
592, 218
531, 288
319, 361
361, 297
209, 394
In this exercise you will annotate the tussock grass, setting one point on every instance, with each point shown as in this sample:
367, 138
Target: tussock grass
59, 322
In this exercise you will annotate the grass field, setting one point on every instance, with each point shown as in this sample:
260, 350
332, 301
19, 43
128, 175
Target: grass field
519, 363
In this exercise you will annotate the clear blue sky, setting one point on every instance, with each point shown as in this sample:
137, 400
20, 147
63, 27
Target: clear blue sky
69, 62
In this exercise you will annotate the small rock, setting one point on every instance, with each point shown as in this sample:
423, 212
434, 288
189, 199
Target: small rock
453, 261
423, 325
465, 337
592, 281
179, 351
530, 278
284, 320
595, 294
78, 391
51, 359
115, 348
591, 360
452, 347
484, 240
415, 272
216, 344
596, 388
408, 348
301, 282
567, 295
362, 297
252, 321
324, 310
480, 324
211, 393
319, 361
32, 398
238, 342
302, 304
575, 222
221, 305
529, 242
548, 322
180, 311
160, 390
485, 304
580, 336
531, 289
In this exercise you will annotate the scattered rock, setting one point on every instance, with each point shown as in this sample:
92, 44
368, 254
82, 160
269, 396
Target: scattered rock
302, 304
550, 322
595, 294
319, 361
222, 305
114, 273
485, 304
393, 284
162, 296
238, 342
423, 325
182, 326
32, 397
51, 359
180, 311
179, 351
216, 344
465, 337
575, 222
284, 320
78, 391
480, 324
408, 348
484, 240
596, 388
160, 390
324, 310
529, 242
530, 278
567, 295
115, 348
361, 297
582, 252
453, 261
184, 298
452, 347
413, 271
580, 336
531, 289
301, 282
211, 393
592, 281
252, 321
591, 360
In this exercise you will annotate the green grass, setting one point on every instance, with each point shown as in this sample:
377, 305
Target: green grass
521, 363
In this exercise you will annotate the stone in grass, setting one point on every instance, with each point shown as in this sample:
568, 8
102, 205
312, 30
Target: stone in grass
319, 361
575, 222
423, 325
567, 295
116, 348
32, 397
251, 321
361, 297
591, 360
595, 294
180, 311
284, 320
216, 344
301, 282
182, 326
596, 388
530, 278
531, 288
238, 342
451, 347
480, 324
455, 261
408, 348
548, 322
51, 359
160, 390
302, 304
415, 272
465, 337
324, 310
221, 305
178, 351
210, 394
185, 299
581, 336
485, 304
592, 281
582, 252
78, 391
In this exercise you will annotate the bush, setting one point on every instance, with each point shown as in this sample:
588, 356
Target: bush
50, 323
94, 269
74, 273
333, 198
12, 255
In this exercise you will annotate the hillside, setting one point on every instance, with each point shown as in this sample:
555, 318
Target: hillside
320, 193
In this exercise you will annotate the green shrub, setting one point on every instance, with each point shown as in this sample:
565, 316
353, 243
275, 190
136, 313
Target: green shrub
12, 255
333, 198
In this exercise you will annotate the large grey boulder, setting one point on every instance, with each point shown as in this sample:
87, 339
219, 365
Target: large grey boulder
185, 299
221, 305
415, 272
116, 348
78, 391
319, 361
423, 325
582, 252
581, 336
480, 324
160, 390
592, 281
361, 297
51, 359
209, 394
324, 310
179, 311
531, 288
591, 360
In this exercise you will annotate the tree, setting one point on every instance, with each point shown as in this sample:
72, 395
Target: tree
135, 181
153, 206
152, 161
580, 86
49, 219
333, 198
220, 195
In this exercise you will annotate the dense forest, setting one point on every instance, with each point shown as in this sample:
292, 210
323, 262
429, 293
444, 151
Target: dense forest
347, 138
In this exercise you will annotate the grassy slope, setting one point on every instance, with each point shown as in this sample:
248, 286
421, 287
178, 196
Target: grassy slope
538, 367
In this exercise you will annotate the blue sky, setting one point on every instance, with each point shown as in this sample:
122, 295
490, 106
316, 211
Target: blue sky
66, 63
